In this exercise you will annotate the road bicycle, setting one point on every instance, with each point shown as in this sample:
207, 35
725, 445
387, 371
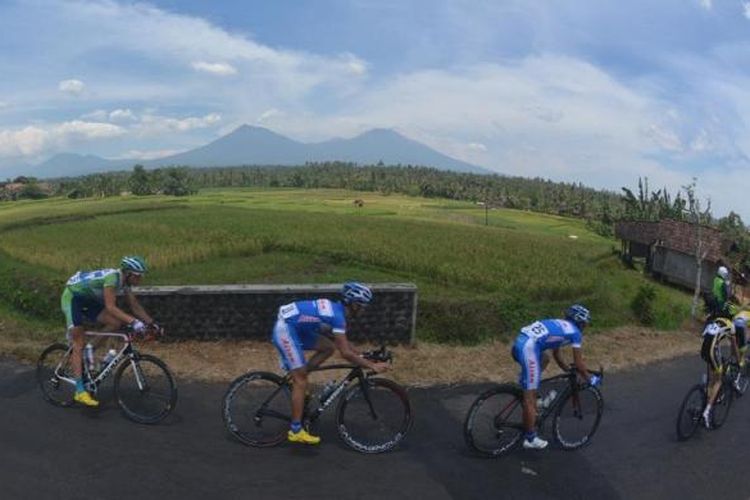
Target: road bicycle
734, 383
144, 387
373, 414
494, 423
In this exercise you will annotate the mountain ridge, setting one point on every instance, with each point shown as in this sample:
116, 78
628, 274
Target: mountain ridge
251, 145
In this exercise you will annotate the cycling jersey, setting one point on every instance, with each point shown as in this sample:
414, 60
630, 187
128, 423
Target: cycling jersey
713, 333
83, 297
537, 337
299, 324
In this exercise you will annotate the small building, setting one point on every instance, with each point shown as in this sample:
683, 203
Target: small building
669, 247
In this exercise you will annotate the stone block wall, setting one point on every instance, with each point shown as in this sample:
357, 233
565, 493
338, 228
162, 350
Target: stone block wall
249, 311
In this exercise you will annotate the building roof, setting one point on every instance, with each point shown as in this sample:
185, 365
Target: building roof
675, 235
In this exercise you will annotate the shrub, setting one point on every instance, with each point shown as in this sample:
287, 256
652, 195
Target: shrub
642, 304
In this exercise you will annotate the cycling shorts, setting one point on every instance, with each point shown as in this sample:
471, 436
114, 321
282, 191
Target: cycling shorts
79, 310
527, 354
287, 342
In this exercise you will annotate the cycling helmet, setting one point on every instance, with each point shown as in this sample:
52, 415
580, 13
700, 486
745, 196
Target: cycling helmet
723, 272
578, 314
356, 292
133, 264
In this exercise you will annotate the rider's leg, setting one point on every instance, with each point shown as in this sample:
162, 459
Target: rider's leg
324, 349
299, 388
528, 356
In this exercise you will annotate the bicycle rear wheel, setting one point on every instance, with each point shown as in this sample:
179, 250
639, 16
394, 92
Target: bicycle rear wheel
145, 389
375, 418
723, 403
257, 409
53, 364
691, 412
494, 423
577, 417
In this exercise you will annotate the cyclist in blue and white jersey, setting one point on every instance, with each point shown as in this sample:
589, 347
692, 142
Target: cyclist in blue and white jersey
528, 351
320, 326
91, 296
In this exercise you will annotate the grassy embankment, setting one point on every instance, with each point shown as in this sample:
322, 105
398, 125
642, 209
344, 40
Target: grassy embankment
477, 283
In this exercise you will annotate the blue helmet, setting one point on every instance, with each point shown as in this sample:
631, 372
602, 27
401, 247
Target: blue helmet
133, 264
354, 292
578, 314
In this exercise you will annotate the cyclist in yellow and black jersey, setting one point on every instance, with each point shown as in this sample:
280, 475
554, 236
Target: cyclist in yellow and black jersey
714, 334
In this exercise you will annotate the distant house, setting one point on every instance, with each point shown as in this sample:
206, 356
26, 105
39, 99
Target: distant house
668, 247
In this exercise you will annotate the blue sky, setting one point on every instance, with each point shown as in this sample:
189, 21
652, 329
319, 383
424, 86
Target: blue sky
595, 91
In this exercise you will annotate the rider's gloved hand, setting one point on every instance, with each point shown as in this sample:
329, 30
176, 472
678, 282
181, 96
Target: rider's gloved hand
138, 326
595, 380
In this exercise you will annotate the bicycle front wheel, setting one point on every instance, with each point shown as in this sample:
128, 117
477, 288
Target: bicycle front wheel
374, 418
52, 370
145, 389
494, 424
577, 417
691, 412
257, 409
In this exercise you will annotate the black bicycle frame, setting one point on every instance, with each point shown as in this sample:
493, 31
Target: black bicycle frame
356, 373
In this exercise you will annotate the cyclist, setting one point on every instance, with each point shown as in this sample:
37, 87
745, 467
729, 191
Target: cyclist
92, 296
721, 292
528, 351
317, 325
713, 334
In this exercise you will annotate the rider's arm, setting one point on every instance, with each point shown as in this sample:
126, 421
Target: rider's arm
580, 366
559, 359
350, 354
110, 304
137, 309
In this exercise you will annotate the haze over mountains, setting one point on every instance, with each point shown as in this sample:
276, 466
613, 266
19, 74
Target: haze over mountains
259, 146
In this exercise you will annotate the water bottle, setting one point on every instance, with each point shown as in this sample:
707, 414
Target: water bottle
88, 355
327, 390
111, 354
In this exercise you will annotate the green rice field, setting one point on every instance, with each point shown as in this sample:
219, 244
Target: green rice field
476, 281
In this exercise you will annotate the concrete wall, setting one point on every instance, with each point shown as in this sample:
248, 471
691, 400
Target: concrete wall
249, 311
680, 268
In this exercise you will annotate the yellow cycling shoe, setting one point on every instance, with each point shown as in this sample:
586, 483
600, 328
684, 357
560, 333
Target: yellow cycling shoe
85, 399
303, 437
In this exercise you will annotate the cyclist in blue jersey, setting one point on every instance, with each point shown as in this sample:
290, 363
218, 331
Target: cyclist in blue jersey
317, 325
91, 296
528, 351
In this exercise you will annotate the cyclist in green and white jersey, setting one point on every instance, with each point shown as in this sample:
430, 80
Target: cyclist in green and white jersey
92, 296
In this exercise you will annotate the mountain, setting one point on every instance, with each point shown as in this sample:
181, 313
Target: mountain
248, 145
71, 164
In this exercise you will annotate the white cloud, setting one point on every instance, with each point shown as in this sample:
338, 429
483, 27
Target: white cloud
35, 140
268, 115
4, 105
72, 87
151, 124
706, 4
477, 146
122, 115
746, 9
98, 115
139, 154
220, 69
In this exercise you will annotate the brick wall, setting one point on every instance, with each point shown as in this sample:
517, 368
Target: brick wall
249, 311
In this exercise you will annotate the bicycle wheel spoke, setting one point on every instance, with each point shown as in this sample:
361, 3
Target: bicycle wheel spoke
375, 420
577, 417
494, 424
55, 375
145, 389
257, 409
691, 412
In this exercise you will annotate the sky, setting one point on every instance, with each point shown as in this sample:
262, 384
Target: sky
592, 91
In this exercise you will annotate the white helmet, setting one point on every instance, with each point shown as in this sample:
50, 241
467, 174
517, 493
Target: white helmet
723, 272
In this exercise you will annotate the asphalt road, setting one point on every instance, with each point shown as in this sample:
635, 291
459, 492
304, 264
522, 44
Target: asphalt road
48, 452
